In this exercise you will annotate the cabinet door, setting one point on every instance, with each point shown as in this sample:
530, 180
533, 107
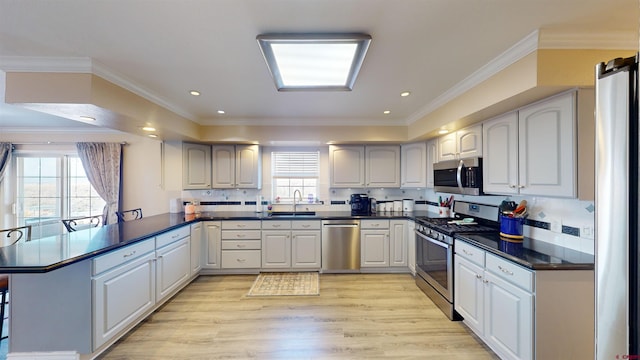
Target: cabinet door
248, 171
508, 327
374, 249
382, 166
469, 293
276, 249
448, 147
411, 246
224, 166
432, 158
172, 267
469, 142
306, 249
500, 148
196, 248
398, 243
346, 166
212, 236
547, 147
121, 296
413, 165
196, 162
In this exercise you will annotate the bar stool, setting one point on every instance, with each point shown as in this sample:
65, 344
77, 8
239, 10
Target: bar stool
126, 215
82, 222
4, 289
13, 235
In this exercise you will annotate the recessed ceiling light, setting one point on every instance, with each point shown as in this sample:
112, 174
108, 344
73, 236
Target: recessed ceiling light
194, 92
405, 93
387, 112
149, 128
83, 117
220, 112
152, 136
443, 131
314, 61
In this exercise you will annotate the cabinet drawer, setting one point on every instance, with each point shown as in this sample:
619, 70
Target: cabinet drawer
171, 236
276, 225
241, 245
306, 225
123, 255
470, 252
510, 272
241, 234
374, 224
241, 259
241, 225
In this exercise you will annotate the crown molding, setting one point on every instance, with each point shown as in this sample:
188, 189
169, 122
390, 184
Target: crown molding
85, 65
614, 40
298, 123
518, 51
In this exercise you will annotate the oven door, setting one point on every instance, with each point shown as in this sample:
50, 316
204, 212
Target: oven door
434, 263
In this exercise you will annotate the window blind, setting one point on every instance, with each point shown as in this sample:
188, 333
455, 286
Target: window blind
295, 164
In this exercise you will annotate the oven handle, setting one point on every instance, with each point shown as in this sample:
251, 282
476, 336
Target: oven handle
436, 242
459, 175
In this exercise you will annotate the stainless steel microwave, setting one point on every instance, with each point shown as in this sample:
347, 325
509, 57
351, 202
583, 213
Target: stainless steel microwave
458, 176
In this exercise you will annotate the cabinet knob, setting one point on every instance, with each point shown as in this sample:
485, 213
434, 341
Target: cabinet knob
478, 276
520, 186
485, 281
512, 186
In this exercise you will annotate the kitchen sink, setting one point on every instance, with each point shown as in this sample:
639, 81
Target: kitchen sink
292, 214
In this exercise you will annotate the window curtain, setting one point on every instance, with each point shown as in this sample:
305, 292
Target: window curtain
103, 164
5, 157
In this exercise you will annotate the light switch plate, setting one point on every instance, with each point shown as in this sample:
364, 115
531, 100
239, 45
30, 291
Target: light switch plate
555, 224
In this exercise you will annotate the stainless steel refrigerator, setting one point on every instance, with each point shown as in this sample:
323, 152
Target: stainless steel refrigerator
616, 216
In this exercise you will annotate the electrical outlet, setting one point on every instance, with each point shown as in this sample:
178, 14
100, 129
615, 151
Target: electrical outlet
588, 232
555, 224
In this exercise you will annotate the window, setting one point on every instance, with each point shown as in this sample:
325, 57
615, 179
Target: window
295, 170
51, 188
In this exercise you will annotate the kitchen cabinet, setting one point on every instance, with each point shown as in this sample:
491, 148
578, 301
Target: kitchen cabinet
196, 163
382, 166
383, 244
357, 166
212, 242
462, 144
124, 289
291, 244
196, 248
241, 244
411, 246
346, 166
532, 151
413, 165
173, 261
236, 167
432, 158
508, 306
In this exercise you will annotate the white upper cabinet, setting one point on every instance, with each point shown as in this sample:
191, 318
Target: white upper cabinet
236, 166
462, 144
532, 151
413, 165
196, 160
432, 158
382, 167
346, 166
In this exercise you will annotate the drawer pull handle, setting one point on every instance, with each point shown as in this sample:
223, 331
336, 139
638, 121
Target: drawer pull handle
276, 225
506, 271
241, 260
241, 225
240, 235
129, 254
375, 225
485, 281
467, 252
306, 226
175, 236
241, 245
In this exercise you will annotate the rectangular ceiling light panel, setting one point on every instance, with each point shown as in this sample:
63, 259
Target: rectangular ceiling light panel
314, 62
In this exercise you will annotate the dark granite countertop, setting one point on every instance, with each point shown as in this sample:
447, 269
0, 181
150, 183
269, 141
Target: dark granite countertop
535, 255
49, 253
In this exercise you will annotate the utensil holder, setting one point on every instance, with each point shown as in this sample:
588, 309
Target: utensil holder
511, 227
444, 212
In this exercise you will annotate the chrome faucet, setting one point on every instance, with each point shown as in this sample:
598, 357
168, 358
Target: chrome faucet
294, 199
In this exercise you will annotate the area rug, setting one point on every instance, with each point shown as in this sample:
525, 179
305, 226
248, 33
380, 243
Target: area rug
286, 284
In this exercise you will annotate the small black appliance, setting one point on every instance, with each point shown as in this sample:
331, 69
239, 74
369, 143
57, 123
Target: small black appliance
360, 204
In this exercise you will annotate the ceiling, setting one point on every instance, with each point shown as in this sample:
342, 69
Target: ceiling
163, 49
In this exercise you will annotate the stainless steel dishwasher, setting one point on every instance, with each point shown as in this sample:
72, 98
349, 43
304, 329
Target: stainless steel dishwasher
340, 246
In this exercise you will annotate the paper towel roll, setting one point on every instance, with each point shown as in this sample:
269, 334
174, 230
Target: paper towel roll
175, 205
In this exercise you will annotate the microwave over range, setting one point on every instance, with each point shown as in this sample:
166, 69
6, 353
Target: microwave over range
458, 176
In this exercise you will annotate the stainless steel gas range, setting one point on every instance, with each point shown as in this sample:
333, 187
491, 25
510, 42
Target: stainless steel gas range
435, 249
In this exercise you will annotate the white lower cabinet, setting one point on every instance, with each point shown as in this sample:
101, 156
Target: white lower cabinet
291, 244
495, 298
212, 235
383, 243
123, 289
173, 267
241, 244
411, 246
196, 248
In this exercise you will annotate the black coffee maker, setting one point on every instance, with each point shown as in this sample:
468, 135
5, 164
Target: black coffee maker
360, 204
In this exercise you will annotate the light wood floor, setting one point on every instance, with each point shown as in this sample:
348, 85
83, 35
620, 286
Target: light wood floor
356, 316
